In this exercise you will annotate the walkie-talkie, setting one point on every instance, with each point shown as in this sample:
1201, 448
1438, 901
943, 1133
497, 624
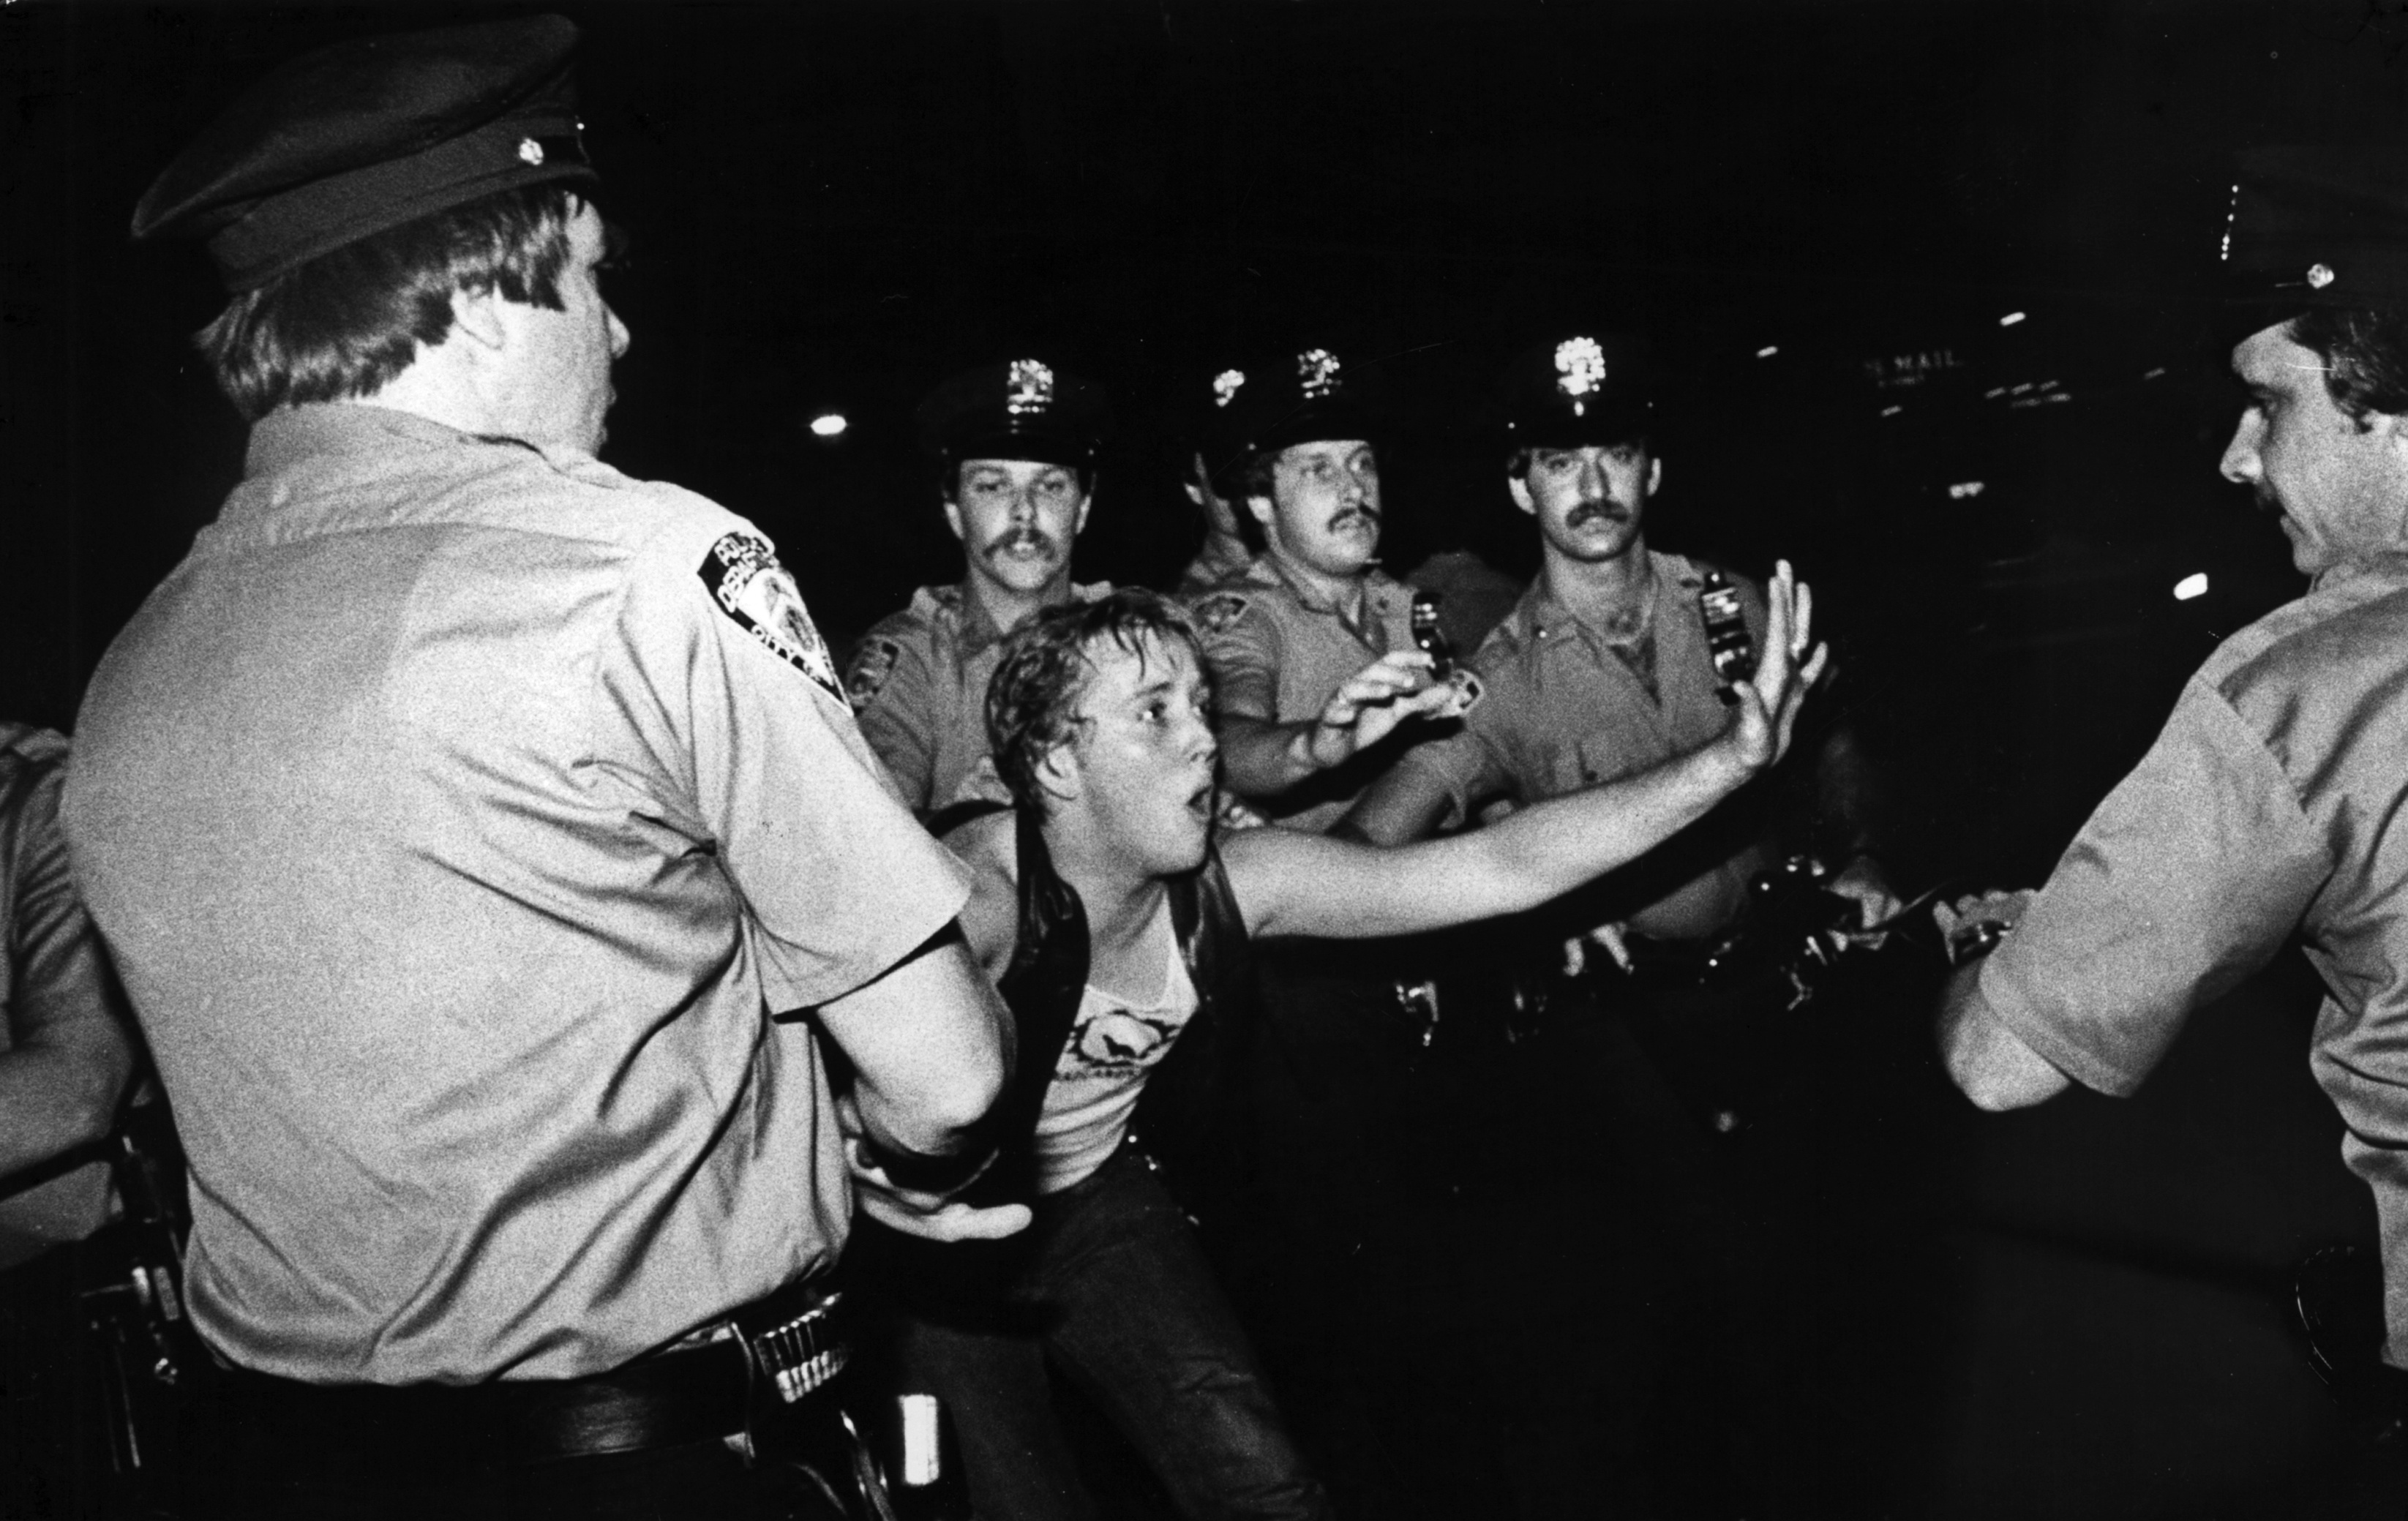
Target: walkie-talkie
1728, 640
1430, 636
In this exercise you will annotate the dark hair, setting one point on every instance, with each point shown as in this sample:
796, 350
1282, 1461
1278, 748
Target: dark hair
2365, 354
1517, 464
1032, 700
948, 474
348, 322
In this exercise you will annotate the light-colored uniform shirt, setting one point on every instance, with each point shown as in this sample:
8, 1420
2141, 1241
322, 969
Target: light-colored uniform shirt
51, 975
460, 814
2271, 803
1279, 653
1561, 707
918, 683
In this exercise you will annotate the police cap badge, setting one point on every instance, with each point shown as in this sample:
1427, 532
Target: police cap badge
1578, 389
1021, 409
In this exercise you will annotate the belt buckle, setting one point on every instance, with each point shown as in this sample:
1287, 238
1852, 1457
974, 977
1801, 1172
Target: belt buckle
799, 1354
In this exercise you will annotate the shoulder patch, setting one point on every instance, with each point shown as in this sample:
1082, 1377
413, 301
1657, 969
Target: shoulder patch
755, 592
1219, 610
871, 665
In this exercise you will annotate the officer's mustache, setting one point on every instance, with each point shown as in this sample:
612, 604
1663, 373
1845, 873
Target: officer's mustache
1021, 540
1346, 515
1607, 510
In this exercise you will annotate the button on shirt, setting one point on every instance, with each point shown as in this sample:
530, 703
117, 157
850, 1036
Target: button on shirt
460, 814
2269, 803
918, 686
1560, 710
1279, 653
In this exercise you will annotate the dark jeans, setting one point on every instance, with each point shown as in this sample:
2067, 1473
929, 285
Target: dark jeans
1111, 1291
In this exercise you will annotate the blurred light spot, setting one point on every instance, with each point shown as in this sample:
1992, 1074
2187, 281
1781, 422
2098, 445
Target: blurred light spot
1768, 350
828, 425
1892, 409
2018, 391
1994, 393
1963, 489
2155, 373
2010, 319
2191, 586
2048, 385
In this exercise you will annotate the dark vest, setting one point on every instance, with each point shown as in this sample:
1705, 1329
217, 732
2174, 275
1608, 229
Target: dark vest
1190, 1117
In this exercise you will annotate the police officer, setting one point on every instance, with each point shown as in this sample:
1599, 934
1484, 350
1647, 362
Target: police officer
1207, 465
2265, 808
1603, 666
1014, 445
1603, 670
462, 814
1312, 638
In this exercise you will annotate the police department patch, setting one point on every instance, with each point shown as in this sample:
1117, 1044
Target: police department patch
871, 665
1219, 610
753, 589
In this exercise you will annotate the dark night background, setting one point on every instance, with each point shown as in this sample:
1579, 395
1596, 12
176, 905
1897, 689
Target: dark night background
834, 205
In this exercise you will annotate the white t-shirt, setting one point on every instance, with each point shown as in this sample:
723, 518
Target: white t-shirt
1114, 1045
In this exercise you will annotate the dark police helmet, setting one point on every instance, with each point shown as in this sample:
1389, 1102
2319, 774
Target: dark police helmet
2319, 226
1580, 389
1021, 409
1298, 396
368, 135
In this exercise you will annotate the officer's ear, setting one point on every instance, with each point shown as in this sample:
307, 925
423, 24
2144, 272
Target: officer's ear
480, 319
1520, 488
954, 519
1654, 472
1086, 502
1261, 508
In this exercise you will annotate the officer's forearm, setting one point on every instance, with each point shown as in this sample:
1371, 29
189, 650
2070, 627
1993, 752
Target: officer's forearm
59, 1095
1986, 1060
931, 1044
1404, 805
1263, 759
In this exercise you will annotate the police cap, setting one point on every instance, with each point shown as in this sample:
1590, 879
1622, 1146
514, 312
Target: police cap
1582, 388
2320, 226
366, 135
1302, 395
1022, 409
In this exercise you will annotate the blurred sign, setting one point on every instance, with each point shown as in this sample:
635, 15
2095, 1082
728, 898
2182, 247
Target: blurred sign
1897, 371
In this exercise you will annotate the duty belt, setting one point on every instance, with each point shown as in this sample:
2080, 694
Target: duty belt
700, 1388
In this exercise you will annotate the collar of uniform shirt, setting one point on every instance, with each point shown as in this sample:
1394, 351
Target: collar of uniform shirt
1374, 588
1550, 618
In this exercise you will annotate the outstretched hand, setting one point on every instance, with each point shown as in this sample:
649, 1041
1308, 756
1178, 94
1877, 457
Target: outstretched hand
1790, 665
937, 1217
1374, 700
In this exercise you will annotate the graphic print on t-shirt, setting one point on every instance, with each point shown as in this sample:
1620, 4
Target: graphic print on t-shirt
1113, 1040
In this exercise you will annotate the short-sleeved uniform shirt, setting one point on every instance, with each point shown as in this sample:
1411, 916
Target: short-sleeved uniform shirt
1561, 707
918, 687
2272, 800
460, 815
52, 974
1279, 653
